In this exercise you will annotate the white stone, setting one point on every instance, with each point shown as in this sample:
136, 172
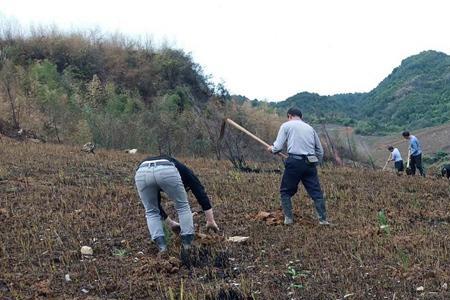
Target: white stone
86, 250
67, 278
238, 239
420, 289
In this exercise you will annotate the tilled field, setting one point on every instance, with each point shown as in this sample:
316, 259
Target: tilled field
390, 239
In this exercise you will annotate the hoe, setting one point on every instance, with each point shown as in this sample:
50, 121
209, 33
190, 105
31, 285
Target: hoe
385, 165
408, 168
235, 125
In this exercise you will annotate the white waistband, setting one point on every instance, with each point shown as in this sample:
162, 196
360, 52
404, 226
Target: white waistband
155, 161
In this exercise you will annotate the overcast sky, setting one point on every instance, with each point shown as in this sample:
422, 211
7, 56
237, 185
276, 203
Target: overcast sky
267, 49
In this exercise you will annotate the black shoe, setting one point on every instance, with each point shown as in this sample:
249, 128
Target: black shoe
186, 257
161, 242
186, 240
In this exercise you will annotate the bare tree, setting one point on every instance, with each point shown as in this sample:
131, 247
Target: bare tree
9, 86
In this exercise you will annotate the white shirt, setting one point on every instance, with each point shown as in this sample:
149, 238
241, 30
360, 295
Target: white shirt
301, 139
396, 155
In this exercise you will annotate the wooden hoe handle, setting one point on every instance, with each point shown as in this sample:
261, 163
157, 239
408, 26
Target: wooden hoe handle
236, 125
409, 159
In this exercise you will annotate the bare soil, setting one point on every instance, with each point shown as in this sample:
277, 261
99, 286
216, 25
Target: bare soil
55, 199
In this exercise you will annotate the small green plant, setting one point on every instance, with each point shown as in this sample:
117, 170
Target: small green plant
404, 259
3, 173
416, 203
168, 234
119, 252
383, 222
294, 274
297, 286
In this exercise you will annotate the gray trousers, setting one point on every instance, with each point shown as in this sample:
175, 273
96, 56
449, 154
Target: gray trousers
149, 180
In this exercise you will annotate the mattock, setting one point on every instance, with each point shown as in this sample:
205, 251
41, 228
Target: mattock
236, 125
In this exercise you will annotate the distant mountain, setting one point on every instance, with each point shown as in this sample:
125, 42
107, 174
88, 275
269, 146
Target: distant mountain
316, 108
415, 95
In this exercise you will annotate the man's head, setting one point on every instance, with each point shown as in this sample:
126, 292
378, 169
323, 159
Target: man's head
406, 134
390, 148
294, 112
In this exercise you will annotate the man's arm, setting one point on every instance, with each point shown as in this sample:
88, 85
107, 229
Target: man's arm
318, 149
191, 181
280, 140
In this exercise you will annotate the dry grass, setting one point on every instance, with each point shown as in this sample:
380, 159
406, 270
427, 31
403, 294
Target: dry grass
54, 199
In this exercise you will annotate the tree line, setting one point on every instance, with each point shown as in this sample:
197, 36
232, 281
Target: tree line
119, 93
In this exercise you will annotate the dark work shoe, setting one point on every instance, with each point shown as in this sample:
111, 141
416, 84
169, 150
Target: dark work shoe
161, 243
163, 254
288, 221
186, 240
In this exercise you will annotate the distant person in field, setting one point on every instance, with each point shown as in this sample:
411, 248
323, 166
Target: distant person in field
446, 171
397, 159
415, 153
305, 151
165, 173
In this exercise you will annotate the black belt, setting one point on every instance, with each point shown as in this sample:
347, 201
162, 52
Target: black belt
155, 164
297, 156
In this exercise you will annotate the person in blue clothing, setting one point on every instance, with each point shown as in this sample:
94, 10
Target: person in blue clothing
415, 153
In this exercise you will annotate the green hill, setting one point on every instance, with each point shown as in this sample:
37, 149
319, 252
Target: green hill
75, 88
415, 95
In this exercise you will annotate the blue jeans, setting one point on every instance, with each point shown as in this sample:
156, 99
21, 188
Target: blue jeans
299, 170
149, 181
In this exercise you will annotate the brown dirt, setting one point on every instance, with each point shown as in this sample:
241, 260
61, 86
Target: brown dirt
55, 199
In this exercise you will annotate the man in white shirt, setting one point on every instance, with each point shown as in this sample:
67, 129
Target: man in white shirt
305, 151
397, 159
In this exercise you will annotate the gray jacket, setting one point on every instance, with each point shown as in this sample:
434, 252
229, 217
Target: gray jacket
301, 139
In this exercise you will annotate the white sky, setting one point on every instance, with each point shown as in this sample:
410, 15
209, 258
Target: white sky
267, 49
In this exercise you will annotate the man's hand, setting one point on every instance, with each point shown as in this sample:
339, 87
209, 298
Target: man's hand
270, 148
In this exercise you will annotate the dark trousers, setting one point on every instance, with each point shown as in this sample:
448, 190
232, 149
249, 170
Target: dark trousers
416, 163
299, 170
399, 166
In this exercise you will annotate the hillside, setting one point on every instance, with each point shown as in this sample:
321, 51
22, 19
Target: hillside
79, 87
55, 199
74, 88
415, 95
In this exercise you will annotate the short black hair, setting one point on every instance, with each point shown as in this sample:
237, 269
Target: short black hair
295, 111
405, 133
390, 148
